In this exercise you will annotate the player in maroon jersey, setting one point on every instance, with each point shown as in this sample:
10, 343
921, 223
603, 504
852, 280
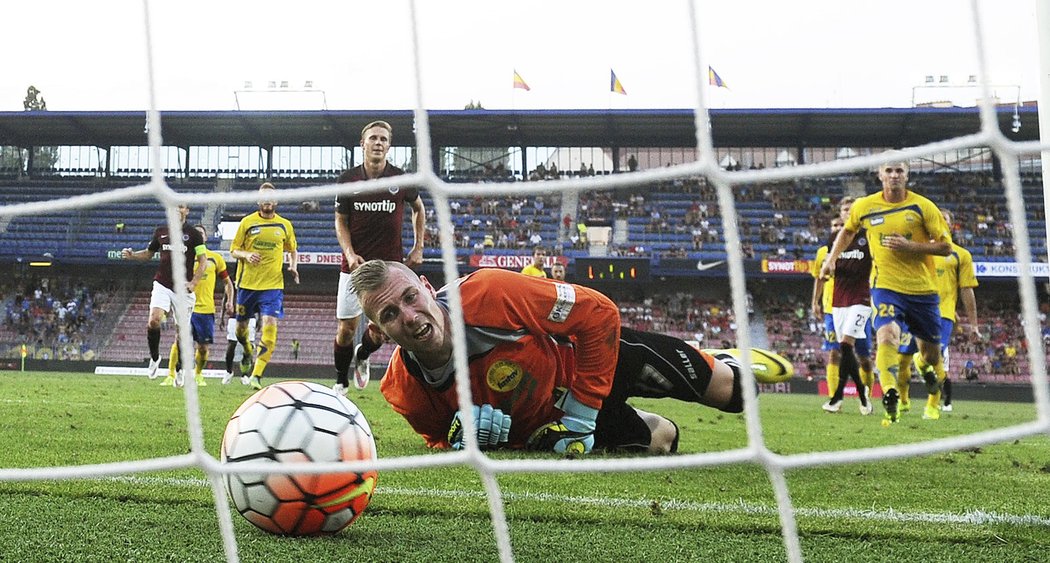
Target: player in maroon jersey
851, 311
163, 299
368, 226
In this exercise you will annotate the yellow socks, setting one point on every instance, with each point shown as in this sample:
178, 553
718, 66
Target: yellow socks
832, 378
266, 346
904, 378
887, 361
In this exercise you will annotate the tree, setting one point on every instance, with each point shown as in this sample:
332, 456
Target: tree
34, 101
15, 158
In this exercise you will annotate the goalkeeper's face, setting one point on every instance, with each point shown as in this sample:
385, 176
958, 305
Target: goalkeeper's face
405, 309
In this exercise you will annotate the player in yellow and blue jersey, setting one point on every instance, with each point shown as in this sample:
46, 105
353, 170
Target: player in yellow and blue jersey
956, 277
905, 231
202, 321
260, 243
823, 290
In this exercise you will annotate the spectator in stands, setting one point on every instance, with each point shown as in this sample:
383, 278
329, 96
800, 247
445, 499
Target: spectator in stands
163, 299
368, 226
260, 243
906, 230
576, 395
202, 321
956, 278
536, 267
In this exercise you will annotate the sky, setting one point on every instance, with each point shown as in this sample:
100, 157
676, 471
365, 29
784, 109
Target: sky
359, 55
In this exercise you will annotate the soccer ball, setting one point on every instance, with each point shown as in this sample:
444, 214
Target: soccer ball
295, 421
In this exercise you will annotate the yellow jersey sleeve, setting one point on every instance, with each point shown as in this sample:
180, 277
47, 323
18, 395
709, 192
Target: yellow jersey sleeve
954, 272
828, 291
205, 290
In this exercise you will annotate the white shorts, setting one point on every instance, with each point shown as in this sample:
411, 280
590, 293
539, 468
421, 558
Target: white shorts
165, 299
231, 330
347, 305
851, 321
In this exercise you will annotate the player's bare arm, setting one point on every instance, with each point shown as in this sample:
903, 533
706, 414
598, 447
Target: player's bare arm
198, 273
843, 240
818, 292
247, 256
293, 265
969, 302
129, 254
342, 234
415, 256
900, 243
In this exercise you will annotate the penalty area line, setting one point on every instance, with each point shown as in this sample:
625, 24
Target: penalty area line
973, 517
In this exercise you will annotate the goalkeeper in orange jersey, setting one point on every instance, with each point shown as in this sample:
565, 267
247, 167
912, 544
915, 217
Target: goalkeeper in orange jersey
550, 366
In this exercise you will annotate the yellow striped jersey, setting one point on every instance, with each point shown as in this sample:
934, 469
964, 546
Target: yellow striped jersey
205, 290
954, 272
917, 219
270, 238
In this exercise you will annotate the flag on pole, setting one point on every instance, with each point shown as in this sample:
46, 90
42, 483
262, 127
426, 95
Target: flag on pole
519, 82
614, 84
715, 80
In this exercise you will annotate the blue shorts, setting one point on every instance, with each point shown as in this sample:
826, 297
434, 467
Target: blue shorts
909, 346
264, 302
920, 314
831, 341
203, 327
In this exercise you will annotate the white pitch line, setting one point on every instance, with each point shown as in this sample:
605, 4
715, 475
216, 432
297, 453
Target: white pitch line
973, 517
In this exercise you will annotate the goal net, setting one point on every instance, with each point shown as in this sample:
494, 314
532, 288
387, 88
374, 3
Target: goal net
727, 184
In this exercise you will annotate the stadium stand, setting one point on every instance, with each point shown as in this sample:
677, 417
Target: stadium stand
672, 220
669, 220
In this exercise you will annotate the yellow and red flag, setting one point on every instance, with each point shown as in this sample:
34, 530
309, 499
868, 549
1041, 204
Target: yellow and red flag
519, 82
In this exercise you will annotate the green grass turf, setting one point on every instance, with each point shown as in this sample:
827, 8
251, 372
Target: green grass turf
895, 510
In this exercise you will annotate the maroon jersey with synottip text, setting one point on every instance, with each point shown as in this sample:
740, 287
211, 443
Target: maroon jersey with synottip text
852, 273
161, 242
375, 219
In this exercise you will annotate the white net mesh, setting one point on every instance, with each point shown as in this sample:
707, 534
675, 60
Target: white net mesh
426, 178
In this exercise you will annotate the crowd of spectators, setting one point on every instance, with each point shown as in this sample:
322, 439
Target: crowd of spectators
787, 219
681, 314
510, 222
53, 318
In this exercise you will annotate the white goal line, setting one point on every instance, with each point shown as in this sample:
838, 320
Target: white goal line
972, 517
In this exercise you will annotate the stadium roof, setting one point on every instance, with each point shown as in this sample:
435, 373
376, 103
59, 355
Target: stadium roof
883, 127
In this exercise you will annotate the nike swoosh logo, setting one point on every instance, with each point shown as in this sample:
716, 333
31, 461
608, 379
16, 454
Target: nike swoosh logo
701, 266
364, 488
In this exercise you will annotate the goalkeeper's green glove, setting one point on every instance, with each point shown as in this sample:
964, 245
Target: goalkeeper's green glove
493, 428
574, 433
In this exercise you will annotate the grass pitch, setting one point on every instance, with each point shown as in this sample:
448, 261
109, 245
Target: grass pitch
987, 503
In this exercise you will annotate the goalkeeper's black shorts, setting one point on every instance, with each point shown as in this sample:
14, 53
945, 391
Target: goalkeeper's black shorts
649, 365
